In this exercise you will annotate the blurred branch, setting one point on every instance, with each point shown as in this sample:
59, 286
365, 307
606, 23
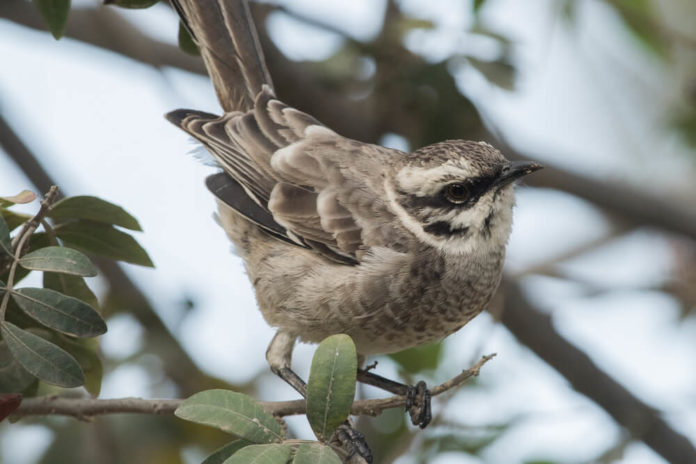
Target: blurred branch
83, 408
535, 329
104, 27
23, 157
353, 118
177, 363
614, 197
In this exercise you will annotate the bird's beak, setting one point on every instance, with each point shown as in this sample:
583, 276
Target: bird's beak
516, 169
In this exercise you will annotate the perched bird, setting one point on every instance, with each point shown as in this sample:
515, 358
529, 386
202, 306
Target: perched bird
339, 236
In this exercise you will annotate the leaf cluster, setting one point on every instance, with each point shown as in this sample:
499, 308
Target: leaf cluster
261, 439
46, 330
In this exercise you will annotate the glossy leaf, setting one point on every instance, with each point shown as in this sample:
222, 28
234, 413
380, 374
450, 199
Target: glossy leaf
41, 358
331, 386
104, 240
8, 403
70, 285
59, 259
262, 454
93, 209
221, 454
13, 377
5, 240
233, 413
57, 311
186, 42
55, 14
315, 453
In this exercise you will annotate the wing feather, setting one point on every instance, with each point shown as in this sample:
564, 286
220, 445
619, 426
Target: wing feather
309, 185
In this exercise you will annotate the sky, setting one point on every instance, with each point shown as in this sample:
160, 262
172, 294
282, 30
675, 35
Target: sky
95, 118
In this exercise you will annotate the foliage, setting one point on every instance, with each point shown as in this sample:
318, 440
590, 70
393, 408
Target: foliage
260, 436
44, 329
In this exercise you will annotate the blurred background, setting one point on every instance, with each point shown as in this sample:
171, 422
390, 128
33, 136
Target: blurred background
594, 326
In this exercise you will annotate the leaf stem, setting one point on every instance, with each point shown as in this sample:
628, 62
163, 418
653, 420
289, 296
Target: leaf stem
19, 243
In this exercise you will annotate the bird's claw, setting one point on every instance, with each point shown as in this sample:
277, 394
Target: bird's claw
418, 404
354, 443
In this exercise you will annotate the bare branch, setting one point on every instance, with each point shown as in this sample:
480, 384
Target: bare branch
84, 408
535, 329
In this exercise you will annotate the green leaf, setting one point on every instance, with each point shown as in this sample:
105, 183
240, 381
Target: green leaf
13, 377
63, 313
223, 453
74, 286
262, 454
233, 413
59, 259
331, 386
41, 358
85, 356
135, 4
478, 4
104, 240
186, 42
36, 241
315, 453
55, 14
93, 209
5, 240
420, 358
13, 219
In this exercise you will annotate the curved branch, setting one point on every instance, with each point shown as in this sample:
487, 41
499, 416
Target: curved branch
84, 408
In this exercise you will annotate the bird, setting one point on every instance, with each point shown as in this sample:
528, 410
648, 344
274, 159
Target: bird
394, 249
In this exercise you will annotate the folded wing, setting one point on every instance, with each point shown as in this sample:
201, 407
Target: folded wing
298, 180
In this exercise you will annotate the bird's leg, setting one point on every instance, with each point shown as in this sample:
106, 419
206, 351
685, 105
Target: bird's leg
417, 396
279, 357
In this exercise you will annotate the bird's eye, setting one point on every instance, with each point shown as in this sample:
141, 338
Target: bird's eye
457, 193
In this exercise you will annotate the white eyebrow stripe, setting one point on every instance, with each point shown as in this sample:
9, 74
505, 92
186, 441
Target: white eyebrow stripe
427, 182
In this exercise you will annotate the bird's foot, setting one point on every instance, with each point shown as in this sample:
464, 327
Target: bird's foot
417, 396
418, 401
354, 443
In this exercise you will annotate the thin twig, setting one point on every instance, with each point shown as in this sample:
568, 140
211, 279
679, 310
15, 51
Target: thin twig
21, 239
84, 408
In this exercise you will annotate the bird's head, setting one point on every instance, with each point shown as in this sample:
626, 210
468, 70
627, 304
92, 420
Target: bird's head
457, 195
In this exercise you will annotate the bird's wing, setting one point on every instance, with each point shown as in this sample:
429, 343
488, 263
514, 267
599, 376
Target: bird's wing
325, 191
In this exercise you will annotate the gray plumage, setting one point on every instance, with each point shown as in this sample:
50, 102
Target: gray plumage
340, 236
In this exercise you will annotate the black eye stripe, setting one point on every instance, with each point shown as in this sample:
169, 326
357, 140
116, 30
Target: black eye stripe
443, 228
476, 187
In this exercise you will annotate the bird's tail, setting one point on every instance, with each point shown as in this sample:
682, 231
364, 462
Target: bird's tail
225, 33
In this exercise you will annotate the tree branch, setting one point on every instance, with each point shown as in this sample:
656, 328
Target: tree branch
535, 330
177, 363
84, 408
355, 119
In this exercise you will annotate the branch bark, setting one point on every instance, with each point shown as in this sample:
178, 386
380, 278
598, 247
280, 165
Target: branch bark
82, 408
535, 330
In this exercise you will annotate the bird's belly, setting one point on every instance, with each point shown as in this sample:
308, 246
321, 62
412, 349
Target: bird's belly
384, 309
